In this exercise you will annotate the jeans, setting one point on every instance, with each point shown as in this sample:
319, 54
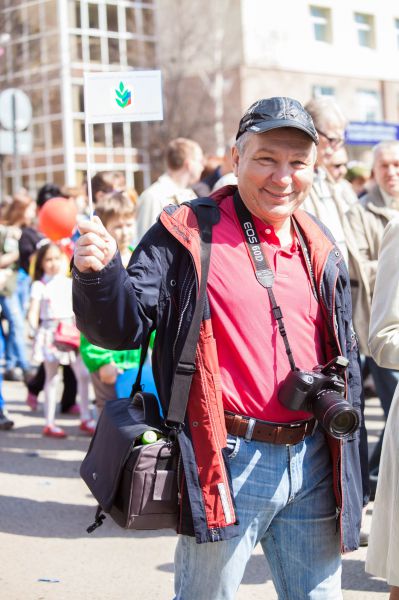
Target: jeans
23, 290
285, 501
385, 381
15, 341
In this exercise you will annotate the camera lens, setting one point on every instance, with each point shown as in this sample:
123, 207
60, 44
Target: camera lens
335, 414
344, 423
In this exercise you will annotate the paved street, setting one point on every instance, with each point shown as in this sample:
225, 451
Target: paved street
45, 508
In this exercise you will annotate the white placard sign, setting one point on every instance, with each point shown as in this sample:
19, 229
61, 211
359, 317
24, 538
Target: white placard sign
121, 96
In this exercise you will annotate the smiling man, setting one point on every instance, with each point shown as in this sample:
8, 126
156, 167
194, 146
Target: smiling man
258, 468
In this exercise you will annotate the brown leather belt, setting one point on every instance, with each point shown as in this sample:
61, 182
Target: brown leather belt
273, 433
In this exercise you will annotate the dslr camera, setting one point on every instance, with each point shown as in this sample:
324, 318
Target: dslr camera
321, 392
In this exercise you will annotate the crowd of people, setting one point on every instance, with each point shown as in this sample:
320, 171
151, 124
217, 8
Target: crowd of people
335, 277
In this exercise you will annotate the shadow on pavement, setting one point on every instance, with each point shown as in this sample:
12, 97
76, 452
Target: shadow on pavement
354, 577
58, 520
34, 464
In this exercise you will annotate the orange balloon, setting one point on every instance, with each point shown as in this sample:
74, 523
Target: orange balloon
57, 218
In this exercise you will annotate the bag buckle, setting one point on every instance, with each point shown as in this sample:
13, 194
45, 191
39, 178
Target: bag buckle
185, 368
173, 426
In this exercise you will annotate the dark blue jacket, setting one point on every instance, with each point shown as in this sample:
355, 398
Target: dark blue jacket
116, 309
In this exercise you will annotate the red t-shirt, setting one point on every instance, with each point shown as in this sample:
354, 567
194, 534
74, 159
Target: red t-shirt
252, 357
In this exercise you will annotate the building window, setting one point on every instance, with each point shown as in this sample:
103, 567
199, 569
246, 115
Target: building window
112, 17
133, 53
94, 22
17, 22
131, 26
99, 134
51, 48
54, 96
113, 51
38, 136
368, 104
74, 14
136, 134
321, 21
76, 47
34, 49
323, 91
33, 19
36, 98
79, 133
56, 134
397, 32
77, 99
95, 49
148, 22
365, 30
51, 15
117, 135
17, 57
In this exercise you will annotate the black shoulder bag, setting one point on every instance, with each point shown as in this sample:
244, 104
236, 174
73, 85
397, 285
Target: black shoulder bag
134, 481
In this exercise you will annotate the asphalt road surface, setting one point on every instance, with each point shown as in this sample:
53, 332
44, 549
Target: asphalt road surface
45, 508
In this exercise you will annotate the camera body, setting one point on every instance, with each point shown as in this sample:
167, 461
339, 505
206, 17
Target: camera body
321, 392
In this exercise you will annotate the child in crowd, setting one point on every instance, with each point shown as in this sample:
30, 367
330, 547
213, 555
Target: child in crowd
117, 212
51, 304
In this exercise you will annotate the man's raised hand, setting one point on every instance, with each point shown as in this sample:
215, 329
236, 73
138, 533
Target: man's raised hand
95, 248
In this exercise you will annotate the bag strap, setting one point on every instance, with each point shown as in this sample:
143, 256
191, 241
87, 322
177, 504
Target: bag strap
207, 213
137, 387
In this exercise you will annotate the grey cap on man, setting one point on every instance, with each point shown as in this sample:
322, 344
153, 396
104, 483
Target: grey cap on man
274, 113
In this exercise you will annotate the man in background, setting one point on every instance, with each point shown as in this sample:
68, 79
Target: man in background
184, 162
381, 204
331, 202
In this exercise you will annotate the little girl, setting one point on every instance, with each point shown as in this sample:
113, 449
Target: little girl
51, 303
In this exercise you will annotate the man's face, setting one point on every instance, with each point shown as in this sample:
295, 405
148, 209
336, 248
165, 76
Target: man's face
331, 138
386, 170
275, 173
338, 164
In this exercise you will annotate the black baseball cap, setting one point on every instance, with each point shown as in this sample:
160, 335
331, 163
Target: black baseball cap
273, 113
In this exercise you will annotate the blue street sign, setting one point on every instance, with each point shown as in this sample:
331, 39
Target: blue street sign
370, 133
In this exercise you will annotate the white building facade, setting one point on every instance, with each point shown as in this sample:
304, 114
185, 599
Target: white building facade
216, 59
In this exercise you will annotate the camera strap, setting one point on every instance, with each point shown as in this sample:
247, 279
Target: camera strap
263, 272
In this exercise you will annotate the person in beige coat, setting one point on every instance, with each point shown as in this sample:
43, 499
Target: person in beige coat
383, 552
331, 202
381, 205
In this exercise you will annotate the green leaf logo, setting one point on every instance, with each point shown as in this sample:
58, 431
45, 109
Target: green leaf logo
123, 96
